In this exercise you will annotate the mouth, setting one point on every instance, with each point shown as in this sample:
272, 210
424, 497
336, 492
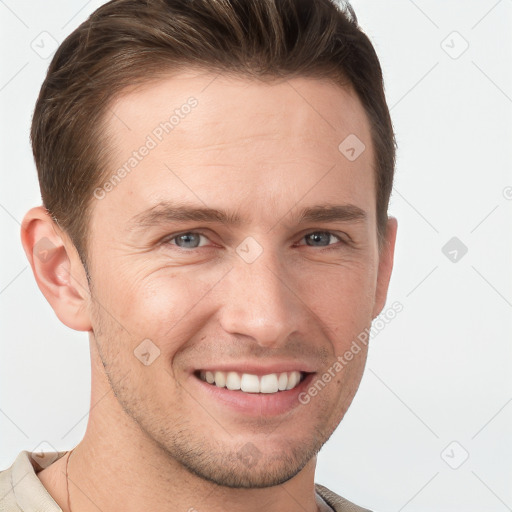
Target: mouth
270, 383
246, 389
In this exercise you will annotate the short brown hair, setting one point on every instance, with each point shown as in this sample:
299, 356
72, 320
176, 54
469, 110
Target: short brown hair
127, 42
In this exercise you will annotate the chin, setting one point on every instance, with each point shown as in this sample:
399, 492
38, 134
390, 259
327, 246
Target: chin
238, 476
249, 467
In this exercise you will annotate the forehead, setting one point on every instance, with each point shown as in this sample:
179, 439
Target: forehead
239, 106
216, 139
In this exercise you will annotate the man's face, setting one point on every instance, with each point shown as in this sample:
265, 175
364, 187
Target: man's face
267, 296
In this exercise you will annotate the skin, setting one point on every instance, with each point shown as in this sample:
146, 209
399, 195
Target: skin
155, 440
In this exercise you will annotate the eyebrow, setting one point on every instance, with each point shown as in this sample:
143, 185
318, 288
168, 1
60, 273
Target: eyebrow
164, 213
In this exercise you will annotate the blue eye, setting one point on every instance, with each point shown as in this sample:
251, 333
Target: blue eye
190, 240
321, 236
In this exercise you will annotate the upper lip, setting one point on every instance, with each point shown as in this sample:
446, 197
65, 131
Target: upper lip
257, 369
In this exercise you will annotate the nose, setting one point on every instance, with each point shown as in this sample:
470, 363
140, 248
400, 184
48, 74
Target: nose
261, 302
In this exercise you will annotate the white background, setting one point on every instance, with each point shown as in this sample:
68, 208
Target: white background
440, 371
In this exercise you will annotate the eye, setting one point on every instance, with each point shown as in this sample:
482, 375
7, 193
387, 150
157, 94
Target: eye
188, 240
321, 237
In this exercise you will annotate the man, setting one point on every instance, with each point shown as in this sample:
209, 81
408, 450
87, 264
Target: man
258, 133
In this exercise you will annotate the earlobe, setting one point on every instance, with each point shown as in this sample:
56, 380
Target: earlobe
57, 268
386, 258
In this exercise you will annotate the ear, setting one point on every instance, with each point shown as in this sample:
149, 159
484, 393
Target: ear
386, 256
57, 268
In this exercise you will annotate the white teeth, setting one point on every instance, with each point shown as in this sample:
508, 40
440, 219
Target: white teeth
249, 383
282, 381
268, 383
220, 379
293, 380
233, 381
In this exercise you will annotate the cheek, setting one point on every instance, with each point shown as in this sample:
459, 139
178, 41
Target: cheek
342, 297
163, 307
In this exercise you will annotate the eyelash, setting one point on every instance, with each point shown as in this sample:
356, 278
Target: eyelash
167, 240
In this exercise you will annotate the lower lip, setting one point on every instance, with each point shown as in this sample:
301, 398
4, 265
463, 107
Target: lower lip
255, 404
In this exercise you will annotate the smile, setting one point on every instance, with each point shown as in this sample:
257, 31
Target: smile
249, 383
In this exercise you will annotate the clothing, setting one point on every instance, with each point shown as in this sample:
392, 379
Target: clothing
22, 491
